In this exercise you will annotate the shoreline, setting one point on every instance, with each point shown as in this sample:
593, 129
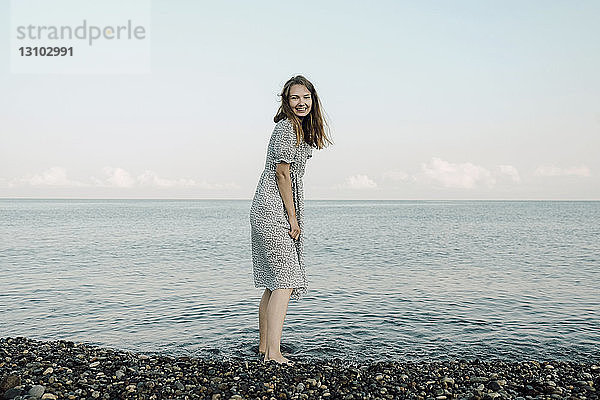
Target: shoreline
62, 369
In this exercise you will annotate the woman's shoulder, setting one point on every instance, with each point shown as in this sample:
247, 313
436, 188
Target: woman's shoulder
284, 125
285, 122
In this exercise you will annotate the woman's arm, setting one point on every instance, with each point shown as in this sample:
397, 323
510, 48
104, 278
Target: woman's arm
284, 183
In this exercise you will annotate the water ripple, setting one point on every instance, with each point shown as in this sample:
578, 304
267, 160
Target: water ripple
387, 279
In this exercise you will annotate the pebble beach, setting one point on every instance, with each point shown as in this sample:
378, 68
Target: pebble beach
60, 369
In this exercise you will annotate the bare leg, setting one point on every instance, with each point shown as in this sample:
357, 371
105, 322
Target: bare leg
262, 320
276, 311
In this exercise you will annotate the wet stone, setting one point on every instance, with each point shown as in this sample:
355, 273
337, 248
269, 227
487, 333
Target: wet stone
12, 393
9, 381
37, 391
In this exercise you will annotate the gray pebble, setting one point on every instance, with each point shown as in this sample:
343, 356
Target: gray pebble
12, 393
126, 374
37, 391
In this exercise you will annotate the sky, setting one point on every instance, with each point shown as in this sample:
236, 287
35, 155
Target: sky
425, 100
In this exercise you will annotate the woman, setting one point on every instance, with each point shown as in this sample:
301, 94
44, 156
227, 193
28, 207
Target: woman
277, 211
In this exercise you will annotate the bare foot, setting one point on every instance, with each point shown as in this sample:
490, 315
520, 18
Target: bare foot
281, 360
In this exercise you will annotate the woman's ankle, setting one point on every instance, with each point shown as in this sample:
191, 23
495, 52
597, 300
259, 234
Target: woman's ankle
269, 355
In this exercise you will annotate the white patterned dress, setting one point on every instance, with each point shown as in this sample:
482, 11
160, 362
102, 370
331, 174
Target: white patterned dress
277, 258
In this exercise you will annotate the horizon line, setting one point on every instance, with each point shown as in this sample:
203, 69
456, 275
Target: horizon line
250, 199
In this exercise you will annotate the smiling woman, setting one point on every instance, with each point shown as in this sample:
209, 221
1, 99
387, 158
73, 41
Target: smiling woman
277, 212
300, 100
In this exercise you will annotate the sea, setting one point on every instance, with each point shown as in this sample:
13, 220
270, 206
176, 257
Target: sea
388, 280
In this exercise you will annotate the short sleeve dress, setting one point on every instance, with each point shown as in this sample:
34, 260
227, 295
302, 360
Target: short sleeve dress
277, 258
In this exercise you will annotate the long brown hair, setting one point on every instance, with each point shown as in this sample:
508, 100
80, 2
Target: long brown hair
312, 127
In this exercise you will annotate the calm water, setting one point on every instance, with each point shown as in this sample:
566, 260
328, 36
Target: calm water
405, 280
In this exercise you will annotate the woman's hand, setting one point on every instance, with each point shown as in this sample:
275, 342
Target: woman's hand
295, 232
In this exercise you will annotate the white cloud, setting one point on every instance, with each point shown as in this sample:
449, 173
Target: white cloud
149, 178
463, 175
357, 182
114, 177
118, 177
54, 176
511, 171
545, 170
121, 178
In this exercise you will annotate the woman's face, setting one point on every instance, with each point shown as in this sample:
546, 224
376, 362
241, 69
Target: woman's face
300, 100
